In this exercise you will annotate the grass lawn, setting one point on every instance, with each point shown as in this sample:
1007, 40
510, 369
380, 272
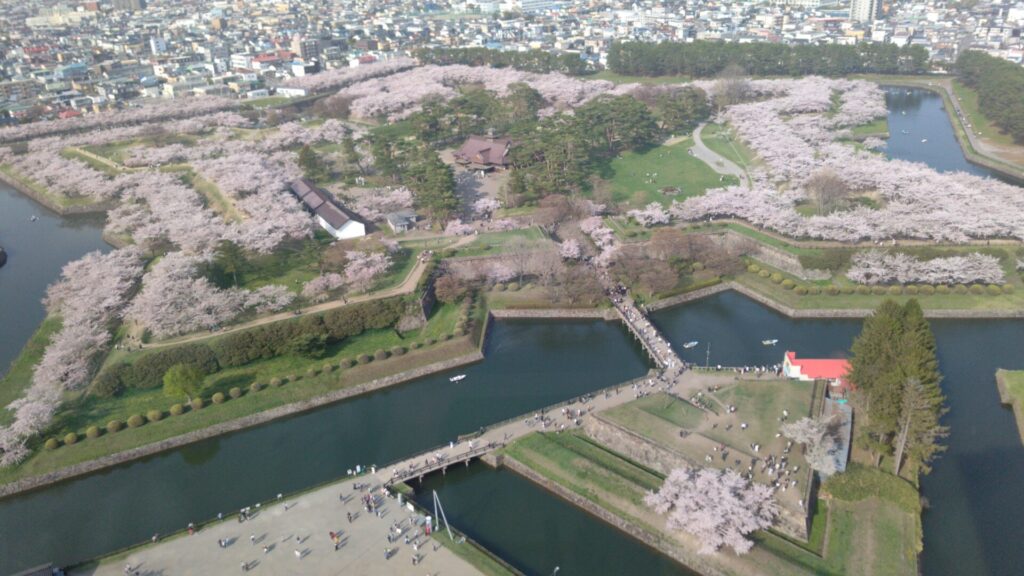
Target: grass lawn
19, 375
1011, 392
877, 127
266, 102
114, 151
979, 122
78, 414
495, 242
215, 199
760, 403
623, 79
75, 154
720, 139
632, 180
627, 229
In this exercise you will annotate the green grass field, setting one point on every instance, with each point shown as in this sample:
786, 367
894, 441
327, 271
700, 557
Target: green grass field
980, 124
57, 200
877, 127
720, 139
633, 181
490, 243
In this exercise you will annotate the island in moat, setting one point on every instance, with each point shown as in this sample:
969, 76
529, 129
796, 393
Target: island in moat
273, 259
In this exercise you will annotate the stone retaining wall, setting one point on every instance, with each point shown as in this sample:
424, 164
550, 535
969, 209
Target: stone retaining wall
556, 313
1005, 398
700, 563
689, 296
91, 466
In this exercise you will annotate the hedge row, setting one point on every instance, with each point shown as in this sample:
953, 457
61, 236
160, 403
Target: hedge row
240, 348
911, 290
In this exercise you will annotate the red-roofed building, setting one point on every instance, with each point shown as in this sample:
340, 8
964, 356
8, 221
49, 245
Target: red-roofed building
832, 369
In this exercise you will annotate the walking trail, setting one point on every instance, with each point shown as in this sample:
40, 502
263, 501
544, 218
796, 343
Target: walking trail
716, 161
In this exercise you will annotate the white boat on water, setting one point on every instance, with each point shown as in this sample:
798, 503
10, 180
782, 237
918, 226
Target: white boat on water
772, 342
689, 345
457, 378
923, 140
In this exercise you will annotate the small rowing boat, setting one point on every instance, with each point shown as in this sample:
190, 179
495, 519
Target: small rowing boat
771, 342
457, 378
689, 345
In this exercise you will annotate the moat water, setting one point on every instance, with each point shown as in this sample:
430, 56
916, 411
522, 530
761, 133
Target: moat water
976, 506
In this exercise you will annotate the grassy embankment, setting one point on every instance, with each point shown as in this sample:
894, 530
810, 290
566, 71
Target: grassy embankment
19, 376
868, 529
720, 139
82, 410
1011, 393
491, 243
45, 195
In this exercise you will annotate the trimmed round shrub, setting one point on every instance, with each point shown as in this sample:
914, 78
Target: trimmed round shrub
753, 268
927, 290
500, 287
513, 286
895, 290
177, 410
764, 274
380, 355
459, 332
416, 345
197, 403
312, 373
800, 290
994, 290
92, 432
833, 290
849, 290
255, 387
364, 359
878, 290
397, 351
815, 290
1007, 288
863, 289
327, 369
51, 444
431, 341
697, 266
788, 284
235, 392
295, 378
447, 336
977, 289
911, 290
136, 420
960, 289
154, 415
777, 278
942, 289
275, 382
114, 426
346, 363
218, 398
70, 438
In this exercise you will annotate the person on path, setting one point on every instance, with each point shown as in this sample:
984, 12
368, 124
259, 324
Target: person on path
252, 539
298, 554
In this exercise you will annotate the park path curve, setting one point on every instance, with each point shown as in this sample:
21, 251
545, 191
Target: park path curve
716, 161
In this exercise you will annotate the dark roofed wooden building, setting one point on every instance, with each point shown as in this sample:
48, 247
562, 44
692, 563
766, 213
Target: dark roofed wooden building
484, 153
338, 221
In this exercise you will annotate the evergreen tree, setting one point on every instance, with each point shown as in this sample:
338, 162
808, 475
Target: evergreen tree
350, 155
230, 259
433, 184
313, 166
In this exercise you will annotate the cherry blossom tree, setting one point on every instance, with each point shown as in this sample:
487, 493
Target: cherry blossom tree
570, 250
458, 228
819, 438
375, 204
719, 507
653, 214
316, 289
877, 267
364, 268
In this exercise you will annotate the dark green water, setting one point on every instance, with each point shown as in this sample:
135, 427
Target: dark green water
36, 251
536, 531
529, 365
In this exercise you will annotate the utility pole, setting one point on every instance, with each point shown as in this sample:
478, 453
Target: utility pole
438, 518
707, 359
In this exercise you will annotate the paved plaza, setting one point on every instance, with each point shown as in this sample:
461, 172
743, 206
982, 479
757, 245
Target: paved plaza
293, 537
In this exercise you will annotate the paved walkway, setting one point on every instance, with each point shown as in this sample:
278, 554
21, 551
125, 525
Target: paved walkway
293, 537
718, 163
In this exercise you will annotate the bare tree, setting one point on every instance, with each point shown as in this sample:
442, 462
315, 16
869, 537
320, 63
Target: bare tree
827, 190
732, 87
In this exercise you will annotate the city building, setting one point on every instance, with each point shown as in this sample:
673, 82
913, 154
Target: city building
832, 370
336, 220
865, 11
